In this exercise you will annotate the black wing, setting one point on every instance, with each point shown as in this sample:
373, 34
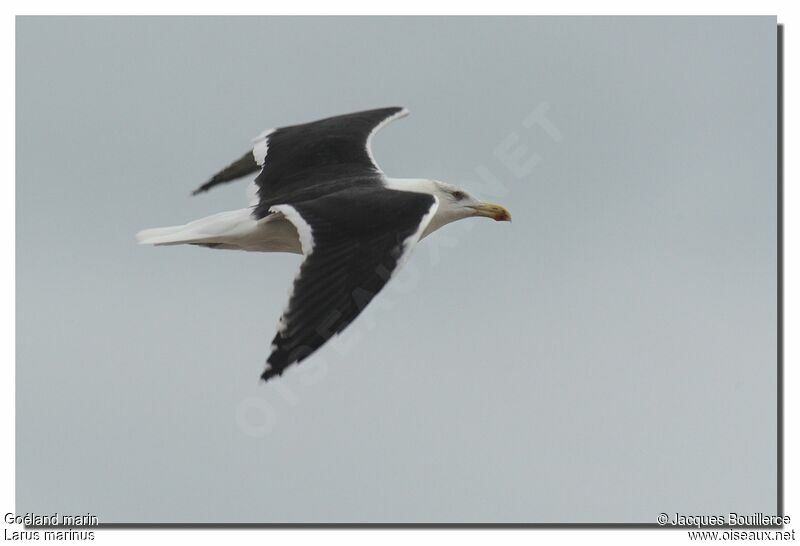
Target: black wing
299, 156
354, 240
241, 167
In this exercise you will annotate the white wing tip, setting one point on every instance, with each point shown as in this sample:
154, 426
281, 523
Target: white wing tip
263, 134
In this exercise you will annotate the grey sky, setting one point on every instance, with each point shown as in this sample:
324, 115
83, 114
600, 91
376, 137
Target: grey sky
608, 356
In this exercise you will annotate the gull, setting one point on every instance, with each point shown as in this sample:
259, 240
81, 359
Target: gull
320, 193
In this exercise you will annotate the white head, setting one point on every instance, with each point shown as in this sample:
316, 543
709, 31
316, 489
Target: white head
454, 203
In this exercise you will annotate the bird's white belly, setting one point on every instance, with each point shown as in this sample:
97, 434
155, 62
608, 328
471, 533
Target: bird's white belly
271, 234
277, 235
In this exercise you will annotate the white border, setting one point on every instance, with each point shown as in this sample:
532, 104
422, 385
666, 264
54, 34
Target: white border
410, 7
403, 112
787, 12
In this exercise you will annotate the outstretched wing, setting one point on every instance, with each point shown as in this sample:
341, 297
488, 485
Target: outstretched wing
241, 167
353, 241
299, 156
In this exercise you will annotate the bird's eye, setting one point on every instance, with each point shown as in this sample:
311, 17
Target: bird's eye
458, 195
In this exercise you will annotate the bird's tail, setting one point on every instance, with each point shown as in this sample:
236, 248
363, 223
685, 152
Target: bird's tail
219, 229
173, 235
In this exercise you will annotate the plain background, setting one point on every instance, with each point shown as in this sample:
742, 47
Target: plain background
608, 356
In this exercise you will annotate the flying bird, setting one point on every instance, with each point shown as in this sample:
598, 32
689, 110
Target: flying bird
320, 193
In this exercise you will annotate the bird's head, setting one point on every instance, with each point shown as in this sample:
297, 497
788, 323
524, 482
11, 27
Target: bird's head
456, 203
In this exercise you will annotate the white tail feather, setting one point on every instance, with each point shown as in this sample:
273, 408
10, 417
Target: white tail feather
173, 235
236, 230
219, 228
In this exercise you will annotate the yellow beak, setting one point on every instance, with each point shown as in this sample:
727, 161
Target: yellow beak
490, 210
